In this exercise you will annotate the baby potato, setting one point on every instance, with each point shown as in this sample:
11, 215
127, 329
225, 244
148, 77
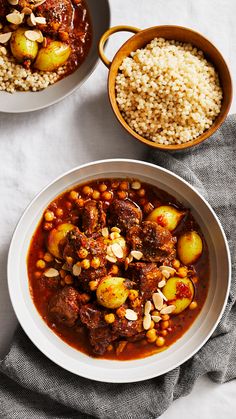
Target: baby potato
180, 291
21, 47
52, 56
189, 247
167, 216
56, 236
112, 292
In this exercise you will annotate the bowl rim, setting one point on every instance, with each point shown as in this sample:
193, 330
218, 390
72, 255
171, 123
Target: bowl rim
72, 89
33, 337
206, 134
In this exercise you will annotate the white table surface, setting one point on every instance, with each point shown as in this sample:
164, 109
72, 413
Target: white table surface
37, 147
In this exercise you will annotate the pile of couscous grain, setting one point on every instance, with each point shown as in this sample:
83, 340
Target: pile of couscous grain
15, 77
168, 92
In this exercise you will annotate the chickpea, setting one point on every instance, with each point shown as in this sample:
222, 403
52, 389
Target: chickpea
160, 341
133, 294
93, 285
37, 274
49, 216
165, 317
82, 253
79, 202
106, 196
124, 186
114, 235
96, 195
152, 325
87, 190
155, 313
48, 257
95, 263
69, 260
164, 333
114, 270
109, 318
102, 187
62, 273
165, 324
110, 348
68, 205
73, 195
176, 263
121, 312
59, 212
193, 305
151, 335
68, 279
40, 264
47, 226
85, 264
115, 185
182, 272
141, 192
122, 194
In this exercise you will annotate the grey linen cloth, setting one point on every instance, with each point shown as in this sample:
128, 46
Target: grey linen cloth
31, 386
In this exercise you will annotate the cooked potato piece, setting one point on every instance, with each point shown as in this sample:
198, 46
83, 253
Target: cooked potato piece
180, 291
52, 56
56, 236
21, 47
166, 216
112, 292
189, 247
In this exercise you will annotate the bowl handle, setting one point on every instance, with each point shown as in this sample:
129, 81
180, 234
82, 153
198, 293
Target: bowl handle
106, 35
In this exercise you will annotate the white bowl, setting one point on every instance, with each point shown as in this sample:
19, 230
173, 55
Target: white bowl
19, 102
107, 370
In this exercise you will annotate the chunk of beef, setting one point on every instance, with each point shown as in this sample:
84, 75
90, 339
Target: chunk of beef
127, 328
146, 276
101, 338
124, 214
155, 242
93, 217
90, 274
91, 316
58, 14
63, 307
75, 240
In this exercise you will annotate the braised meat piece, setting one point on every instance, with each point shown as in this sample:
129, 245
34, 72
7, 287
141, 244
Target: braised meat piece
124, 214
3, 8
155, 242
100, 333
63, 307
58, 14
90, 274
75, 241
126, 328
93, 217
146, 276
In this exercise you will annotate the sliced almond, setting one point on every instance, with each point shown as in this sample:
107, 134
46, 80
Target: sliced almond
51, 272
147, 307
162, 283
40, 20
16, 18
162, 295
158, 300
116, 229
167, 310
41, 38
13, 2
32, 35
76, 270
136, 254
105, 232
130, 314
58, 261
31, 20
114, 235
3, 50
136, 185
38, 3
167, 271
156, 319
147, 321
4, 37
117, 250
110, 251
111, 259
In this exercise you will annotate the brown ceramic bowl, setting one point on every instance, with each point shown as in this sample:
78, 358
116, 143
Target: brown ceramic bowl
177, 33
